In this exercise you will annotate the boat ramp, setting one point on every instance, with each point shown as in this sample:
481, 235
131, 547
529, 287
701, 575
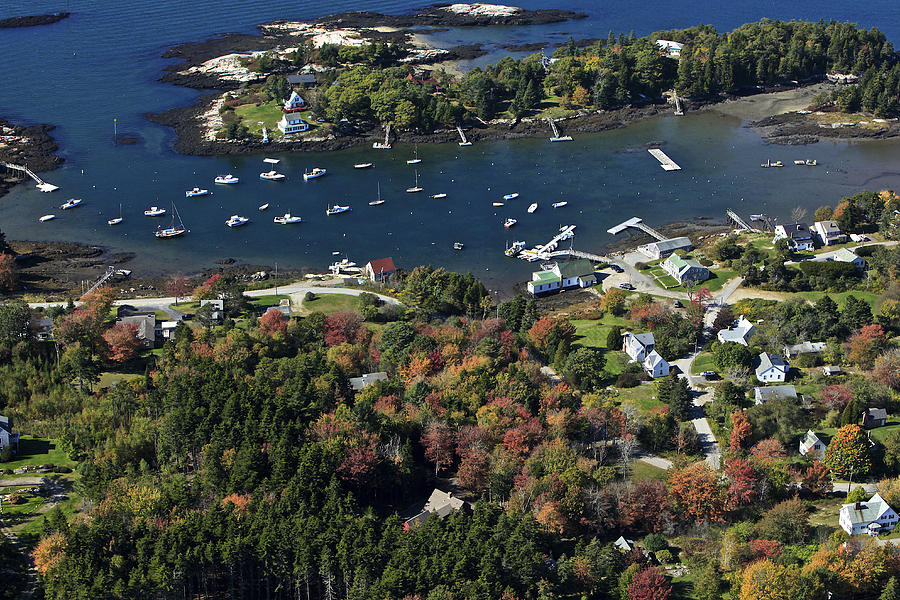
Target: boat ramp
637, 223
549, 250
664, 161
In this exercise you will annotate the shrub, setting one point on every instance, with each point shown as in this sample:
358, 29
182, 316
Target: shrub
641, 266
62, 469
655, 542
805, 361
309, 297
665, 557
14, 498
628, 379
705, 262
866, 251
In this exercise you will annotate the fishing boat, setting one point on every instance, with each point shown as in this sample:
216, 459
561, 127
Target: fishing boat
811, 163
416, 160
173, 230
316, 172
497, 204
416, 187
799, 162
227, 179
116, 220
264, 206
515, 248
770, 163
532, 208
559, 204
195, 192
236, 221
154, 211
47, 218
272, 176
510, 222
378, 201
336, 209
511, 196
287, 219
439, 196
363, 165
457, 245
70, 203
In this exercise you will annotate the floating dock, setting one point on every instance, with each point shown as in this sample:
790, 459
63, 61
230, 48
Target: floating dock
41, 184
556, 137
665, 162
387, 139
637, 223
548, 250
462, 136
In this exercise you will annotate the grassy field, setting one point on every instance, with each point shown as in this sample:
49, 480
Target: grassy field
330, 303
703, 362
590, 333
642, 470
841, 297
644, 396
109, 379
269, 300
269, 114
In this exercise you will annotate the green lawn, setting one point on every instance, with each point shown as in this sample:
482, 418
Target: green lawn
37, 451
703, 362
642, 470
841, 297
615, 362
251, 114
879, 433
826, 512
108, 379
591, 333
330, 303
644, 396
269, 300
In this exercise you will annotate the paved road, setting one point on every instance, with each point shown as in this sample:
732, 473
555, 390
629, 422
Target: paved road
656, 461
708, 442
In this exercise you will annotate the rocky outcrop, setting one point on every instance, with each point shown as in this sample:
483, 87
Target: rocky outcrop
33, 21
32, 146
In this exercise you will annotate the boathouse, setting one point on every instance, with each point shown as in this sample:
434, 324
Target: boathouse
380, 270
571, 274
663, 248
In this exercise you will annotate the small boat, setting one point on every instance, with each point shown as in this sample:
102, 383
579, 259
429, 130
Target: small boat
415, 188
47, 218
559, 204
811, 163
799, 162
316, 172
457, 245
511, 196
438, 196
227, 179
154, 211
272, 176
236, 221
195, 192
287, 219
515, 248
264, 206
124, 273
70, 203
116, 220
173, 230
510, 222
532, 208
416, 160
363, 165
377, 201
336, 210
770, 163
497, 204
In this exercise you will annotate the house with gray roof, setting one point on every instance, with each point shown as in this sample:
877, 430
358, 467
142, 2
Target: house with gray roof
793, 350
829, 232
440, 503
570, 274
774, 392
739, 333
872, 517
146, 327
685, 270
8, 436
655, 365
771, 368
831, 371
663, 248
798, 235
849, 256
874, 417
637, 345
358, 383
812, 445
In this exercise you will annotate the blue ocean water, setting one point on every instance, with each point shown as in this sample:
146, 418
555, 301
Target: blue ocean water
104, 61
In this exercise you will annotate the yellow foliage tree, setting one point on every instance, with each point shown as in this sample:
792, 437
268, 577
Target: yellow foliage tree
49, 551
765, 580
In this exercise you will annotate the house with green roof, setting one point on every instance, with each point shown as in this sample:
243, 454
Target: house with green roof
684, 270
571, 274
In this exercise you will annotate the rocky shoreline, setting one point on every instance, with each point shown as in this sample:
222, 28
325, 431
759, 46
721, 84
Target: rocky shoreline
33, 20
32, 146
801, 128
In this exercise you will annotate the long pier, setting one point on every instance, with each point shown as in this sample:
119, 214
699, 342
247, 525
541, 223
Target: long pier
548, 250
110, 271
664, 161
462, 136
387, 139
637, 223
41, 184
740, 222
588, 255
556, 137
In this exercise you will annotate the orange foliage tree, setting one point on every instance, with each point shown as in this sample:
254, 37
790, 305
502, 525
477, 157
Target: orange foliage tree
123, 341
49, 551
272, 322
695, 490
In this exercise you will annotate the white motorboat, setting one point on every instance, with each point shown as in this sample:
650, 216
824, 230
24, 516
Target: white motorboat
439, 196
336, 209
457, 245
377, 201
363, 165
173, 230
272, 176
264, 206
415, 188
47, 218
116, 220
532, 208
559, 204
509, 223
154, 211
497, 204
287, 219
799, 162
227, 179
316, 172
236, 221
70, 203
512, 196
415, 160
195, 192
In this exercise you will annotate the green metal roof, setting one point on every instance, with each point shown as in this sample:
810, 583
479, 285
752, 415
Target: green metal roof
576, 268
544, 277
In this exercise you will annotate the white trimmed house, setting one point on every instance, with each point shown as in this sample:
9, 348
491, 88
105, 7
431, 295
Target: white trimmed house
8, 436
684, 270
870, 517
829, 232
291, 121
771, 368
811, 445
571, 274
848, 256
798, 236
663, 248
740, 333
638, 345
655, 365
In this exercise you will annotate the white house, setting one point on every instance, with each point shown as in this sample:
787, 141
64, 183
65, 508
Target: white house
638, 345
294, 104
655, 365
771, 368
672, 49
740, 333
849, 256
440, 503
812, 445
829, 232
870, 517
663, 248
8, 436
798, 235
292, 123
684, 270
570, 274
367, 379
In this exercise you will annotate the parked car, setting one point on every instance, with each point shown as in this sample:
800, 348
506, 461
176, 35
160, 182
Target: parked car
617, 268
626, 286
709, 374
677, 303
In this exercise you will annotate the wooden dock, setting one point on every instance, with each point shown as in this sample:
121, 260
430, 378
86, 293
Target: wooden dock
636, 223
548, 250
387, 139
664, 161
41, 184
556, 137
740, 222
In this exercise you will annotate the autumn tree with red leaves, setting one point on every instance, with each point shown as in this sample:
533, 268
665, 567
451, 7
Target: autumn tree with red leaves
742, 480
817, 479
123, 341
178, 286
342, 327
649, 584
438, 441
836, 397
887, 369
272, 322
848, 451
741, 429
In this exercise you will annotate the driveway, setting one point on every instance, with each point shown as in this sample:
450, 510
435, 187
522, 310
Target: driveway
708, 443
